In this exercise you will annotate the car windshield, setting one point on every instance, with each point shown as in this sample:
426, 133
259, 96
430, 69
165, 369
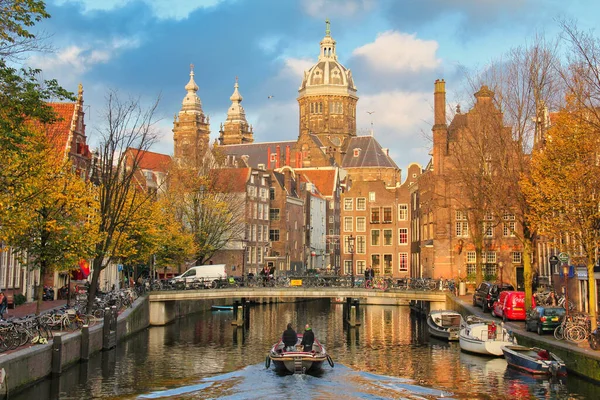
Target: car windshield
552, 312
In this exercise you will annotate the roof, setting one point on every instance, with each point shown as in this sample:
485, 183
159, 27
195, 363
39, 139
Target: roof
257, 153
230, 180
371, 154
59, 131
152, 161
323, 179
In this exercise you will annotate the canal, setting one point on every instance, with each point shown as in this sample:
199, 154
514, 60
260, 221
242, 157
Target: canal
389, 356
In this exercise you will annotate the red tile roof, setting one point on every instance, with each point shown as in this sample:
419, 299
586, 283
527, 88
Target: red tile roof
323, 179
230, 180
152, 161
58, 132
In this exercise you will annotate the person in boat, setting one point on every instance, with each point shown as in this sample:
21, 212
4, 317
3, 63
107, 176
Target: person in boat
308, 338
289, 338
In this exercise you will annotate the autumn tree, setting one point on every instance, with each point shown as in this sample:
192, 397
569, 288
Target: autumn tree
60, 226
526, 86
16, 18
208, 205
127, 125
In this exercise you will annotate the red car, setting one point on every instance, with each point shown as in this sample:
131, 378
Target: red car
511, 306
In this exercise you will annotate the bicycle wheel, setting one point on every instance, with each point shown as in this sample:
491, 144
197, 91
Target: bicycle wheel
575, 334
383, 285
369, 284
558, 332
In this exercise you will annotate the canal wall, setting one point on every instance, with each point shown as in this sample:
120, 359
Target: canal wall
27, 366
579, 360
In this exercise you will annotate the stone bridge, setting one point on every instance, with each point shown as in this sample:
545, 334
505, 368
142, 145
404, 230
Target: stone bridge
166, 306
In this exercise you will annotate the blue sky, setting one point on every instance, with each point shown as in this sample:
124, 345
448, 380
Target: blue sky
395, 49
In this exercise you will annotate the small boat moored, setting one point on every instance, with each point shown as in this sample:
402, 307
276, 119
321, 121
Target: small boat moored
298, 361
221, 308
534, 360
444, 324
484, 337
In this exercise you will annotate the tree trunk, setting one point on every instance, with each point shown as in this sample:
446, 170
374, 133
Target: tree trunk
97, 268
40, 294
527, 275
592, 294
478, 265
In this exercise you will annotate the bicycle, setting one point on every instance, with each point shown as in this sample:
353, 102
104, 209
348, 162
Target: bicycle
377, 283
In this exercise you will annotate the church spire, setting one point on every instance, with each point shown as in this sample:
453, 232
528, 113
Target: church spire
327, 45
191, 102
235, 130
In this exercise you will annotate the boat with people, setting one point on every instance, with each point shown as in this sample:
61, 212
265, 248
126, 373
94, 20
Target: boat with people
298, 361
484, 337
444, 324
534, 360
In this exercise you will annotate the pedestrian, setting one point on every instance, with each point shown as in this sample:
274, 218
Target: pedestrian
308, 338
3, 305
367, 274
289, 338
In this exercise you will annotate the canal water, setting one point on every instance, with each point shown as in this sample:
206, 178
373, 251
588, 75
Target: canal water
390, 355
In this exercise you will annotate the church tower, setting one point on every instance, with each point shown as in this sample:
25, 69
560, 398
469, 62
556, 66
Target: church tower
327, 97
191, 128
236, 130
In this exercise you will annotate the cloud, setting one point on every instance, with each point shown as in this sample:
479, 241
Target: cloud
295, 67
394, 51
162, 9
70, 62
338, 8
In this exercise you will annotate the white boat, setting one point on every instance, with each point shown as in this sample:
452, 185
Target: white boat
485, 337
444, 324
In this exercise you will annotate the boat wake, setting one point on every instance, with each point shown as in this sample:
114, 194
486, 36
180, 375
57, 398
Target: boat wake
254, 382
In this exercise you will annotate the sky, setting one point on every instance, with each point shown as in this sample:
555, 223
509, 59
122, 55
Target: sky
395, 49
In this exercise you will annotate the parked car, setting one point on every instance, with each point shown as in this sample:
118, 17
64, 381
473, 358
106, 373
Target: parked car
544, 318
487, 293
511, 306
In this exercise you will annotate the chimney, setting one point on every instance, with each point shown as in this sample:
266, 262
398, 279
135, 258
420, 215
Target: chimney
287, 181
269, 158
439, 105
278, 156
287, 155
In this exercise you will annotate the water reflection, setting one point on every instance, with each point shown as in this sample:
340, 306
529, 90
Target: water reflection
389, 355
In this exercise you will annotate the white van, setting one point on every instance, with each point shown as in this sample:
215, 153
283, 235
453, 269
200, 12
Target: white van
208, 275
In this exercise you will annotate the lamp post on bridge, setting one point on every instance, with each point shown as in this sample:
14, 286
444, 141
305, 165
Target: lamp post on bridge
244, 244
351, 240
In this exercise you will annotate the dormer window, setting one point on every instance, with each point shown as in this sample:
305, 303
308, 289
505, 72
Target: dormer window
356, 152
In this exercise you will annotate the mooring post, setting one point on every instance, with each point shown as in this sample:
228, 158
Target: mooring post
106, 329
57, 354
85, 343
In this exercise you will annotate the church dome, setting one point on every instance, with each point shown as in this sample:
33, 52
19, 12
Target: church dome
328, 75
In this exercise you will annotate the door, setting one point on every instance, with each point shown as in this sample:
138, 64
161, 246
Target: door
520, 279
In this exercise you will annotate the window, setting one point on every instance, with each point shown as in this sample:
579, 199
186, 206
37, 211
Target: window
361, 266
252, 178
274, 214
259, 254
347, 224
376, 263
375, 237
402, 262
361, 204
348, 204
387, 264
272, 193
508, 229
516, 257
254, 228
375, 215
471, 257
402, 212
387, 237
348, 267
371, 196
462, 226
387, 215
260, 234
488, 229
260, 211
347, 245
361, 244
403, 236
490, 257
361, 224
266, 212
331, 219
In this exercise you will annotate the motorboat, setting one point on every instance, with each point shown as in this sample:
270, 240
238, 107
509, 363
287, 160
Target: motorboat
484, 337
221, 308
534, 360
444, 324
298, 361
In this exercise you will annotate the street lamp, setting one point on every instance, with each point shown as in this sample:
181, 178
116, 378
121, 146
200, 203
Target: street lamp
351, 240
244, 246
565, 268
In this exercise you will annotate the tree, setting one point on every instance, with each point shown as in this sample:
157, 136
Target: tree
526, 85
127, 126
60, 228
208, 205
16, 17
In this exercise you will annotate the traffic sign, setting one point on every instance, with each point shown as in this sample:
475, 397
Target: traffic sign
553, 261
563, 257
